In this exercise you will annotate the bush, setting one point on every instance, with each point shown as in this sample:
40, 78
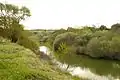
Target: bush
100, 33
29, 44
12, 33
82, 40
104, 47
68, 38
44, 39
96, 48
115, 27
52, 36
4, 40
35, 39
103, 27
115, 47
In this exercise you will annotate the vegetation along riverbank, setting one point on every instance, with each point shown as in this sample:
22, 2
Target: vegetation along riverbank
19, 49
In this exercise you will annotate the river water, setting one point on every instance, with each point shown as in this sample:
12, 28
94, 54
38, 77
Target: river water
92, 69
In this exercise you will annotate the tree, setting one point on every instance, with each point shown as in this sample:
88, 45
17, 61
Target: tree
12, 13
10, 18
103, 27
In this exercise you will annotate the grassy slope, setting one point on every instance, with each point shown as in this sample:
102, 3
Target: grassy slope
18, 63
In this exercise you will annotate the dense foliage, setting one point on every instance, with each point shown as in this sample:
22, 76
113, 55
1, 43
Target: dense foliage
66, 38
95, 42
105, 46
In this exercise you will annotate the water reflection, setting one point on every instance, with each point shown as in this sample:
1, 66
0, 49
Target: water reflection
85, 67
44, 49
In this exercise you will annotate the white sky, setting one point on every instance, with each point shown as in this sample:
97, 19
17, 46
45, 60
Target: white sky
50, 14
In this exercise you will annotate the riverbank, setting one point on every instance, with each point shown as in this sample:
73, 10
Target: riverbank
88, 68
19, 63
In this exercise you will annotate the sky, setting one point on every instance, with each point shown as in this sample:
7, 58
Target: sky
54, 14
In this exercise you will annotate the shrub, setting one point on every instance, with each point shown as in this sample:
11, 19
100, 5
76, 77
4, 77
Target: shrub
52, 36
28, 44
103, 27
44, 39
35, 39
115, 27
80, 43
104, 47
12, 33
4, 40
100, 33
82, 40
93, 48
68, 38
115, 47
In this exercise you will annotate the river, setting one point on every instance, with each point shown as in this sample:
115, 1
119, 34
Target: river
85, 67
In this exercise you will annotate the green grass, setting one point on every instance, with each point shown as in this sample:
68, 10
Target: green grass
19, 63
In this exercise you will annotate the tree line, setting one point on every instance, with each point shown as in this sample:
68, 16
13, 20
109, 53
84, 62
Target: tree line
95, 42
